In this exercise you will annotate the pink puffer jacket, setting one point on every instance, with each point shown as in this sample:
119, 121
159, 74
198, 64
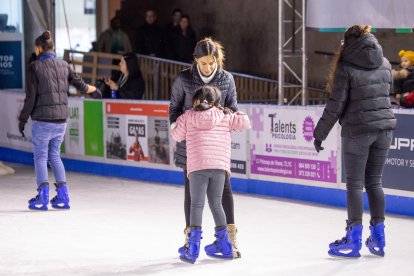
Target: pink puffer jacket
208, 136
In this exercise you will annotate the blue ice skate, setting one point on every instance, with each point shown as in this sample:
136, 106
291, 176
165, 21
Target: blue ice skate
221, 247
193, 250
61, 200
42, 198
349, 245
376, 241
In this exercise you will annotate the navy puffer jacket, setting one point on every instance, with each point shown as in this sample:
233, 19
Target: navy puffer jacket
183, 90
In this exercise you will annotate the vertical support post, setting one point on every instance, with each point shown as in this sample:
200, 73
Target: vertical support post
293, 26
281, 71
157, 80
304, 57
94, 68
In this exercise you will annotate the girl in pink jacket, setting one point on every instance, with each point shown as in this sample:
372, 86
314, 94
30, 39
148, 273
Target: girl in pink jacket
207, 130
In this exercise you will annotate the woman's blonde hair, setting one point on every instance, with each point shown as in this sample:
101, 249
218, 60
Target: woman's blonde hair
209, 47
350, 35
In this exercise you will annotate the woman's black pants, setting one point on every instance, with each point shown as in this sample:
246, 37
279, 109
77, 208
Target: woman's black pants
365, 157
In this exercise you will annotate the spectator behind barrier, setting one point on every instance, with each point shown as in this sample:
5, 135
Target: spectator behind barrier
3, 24
186, 40
170, 34
114, 40
149, 37
128, 83
404, 80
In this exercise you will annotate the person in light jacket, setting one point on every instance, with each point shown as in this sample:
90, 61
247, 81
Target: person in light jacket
207, 129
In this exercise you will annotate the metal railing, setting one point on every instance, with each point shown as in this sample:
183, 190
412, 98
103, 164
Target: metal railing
159, 75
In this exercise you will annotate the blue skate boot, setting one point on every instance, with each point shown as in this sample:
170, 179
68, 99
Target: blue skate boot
349, 245
42, 198
376, 241
61, 200
221, 247
193, 250
183, 248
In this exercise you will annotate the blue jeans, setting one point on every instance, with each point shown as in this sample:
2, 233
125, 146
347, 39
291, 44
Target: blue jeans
47, 138
365, 156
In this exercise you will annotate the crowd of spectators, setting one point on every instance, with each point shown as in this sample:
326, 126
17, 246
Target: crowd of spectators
174, 41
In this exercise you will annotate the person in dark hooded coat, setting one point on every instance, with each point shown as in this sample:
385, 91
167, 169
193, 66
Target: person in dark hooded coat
360, 84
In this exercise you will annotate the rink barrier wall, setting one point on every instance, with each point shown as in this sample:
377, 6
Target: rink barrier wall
266, 160
327, 196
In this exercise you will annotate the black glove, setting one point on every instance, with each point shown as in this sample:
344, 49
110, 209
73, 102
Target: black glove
318, 145
97, 94
21, 127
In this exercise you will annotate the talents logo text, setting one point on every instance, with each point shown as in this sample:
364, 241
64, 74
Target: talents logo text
282, 129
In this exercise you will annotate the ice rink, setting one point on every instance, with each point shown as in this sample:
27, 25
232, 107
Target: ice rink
122, 227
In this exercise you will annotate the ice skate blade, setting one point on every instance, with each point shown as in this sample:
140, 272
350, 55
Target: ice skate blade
350, 255
34, 208
187, 260
379, 253
236, 255
375, 248
221, 257
64, 207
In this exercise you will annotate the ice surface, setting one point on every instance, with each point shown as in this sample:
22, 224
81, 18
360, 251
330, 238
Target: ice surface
122, 227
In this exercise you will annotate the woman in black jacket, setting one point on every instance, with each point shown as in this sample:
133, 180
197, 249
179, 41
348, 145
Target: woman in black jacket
46, 102
185, 40
360, 85
208, 69
130, 83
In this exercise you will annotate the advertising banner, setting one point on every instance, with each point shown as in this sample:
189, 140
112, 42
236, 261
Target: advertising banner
239, 150
159, 140
381, 14
137, 132
93, 128
399, 165
137, 144
74, 138
281, 144
12, 104
11, 71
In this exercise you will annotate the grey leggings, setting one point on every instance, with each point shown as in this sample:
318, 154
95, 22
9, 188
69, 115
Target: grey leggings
210, 182
365, 157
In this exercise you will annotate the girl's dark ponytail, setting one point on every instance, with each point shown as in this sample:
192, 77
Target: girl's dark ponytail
45, 41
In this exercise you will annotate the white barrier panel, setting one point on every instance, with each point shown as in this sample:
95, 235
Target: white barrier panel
11, 105
277, 148
74, 136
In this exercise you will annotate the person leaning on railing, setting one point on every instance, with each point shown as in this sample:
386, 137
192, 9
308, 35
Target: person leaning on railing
129, 84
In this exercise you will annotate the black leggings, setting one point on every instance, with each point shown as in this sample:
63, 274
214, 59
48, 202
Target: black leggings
365, 157
227, 200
